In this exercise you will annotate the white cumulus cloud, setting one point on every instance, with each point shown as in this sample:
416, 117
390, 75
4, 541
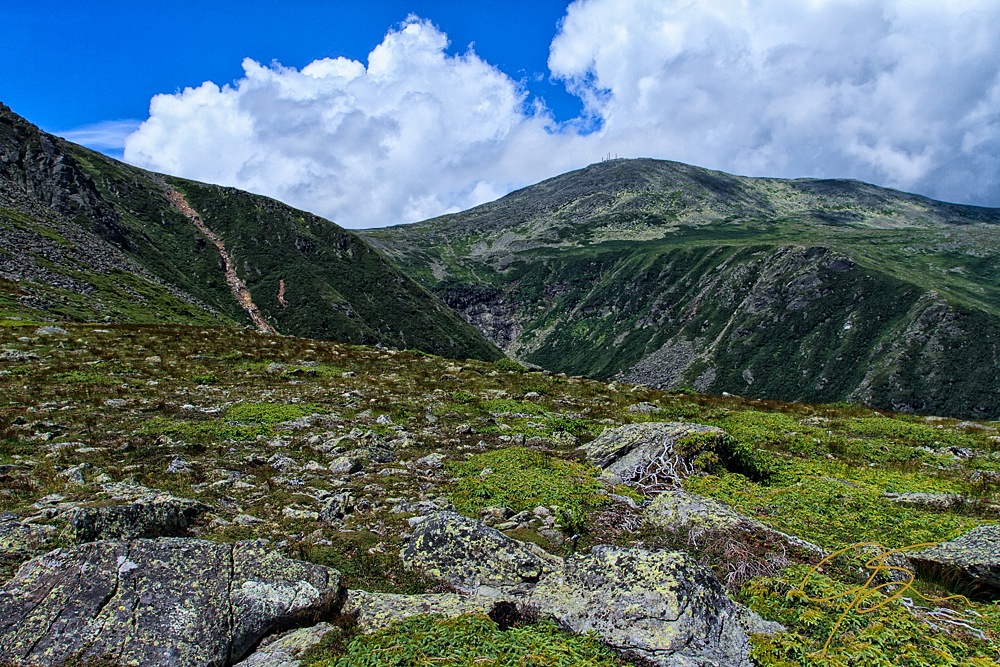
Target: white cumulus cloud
903, 93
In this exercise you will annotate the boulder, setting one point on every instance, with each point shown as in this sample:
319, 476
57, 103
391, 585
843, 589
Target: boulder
658, 606
674, 509
627, 453
171, 601
972, 561
150, 514
473, 557
286, 649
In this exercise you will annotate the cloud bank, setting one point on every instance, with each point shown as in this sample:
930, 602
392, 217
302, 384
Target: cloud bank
903, 93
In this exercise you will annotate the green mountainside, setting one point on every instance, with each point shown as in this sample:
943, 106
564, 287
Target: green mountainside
674, 276
87, 238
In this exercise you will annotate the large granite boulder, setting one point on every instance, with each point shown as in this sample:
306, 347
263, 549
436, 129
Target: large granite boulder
150, 514
473, 557
647, 453
656, 605
972, 561
172, 601
659, 606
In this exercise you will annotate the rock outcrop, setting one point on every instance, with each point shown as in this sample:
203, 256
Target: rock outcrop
151, 514
659, 606
972, 561
177, 602
635, 452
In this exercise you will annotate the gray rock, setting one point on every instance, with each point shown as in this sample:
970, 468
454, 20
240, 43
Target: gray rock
18, 540
172, 601
336, 507
472, 556
625, 452
154, 514
675, 509
284, 650
971, 560
659, 606
937, 501
346, 465
178, 466
51, 330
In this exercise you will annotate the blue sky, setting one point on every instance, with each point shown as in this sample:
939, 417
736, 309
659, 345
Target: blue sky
77, 63
380, 113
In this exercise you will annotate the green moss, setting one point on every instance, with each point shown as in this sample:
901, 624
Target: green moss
201, 431
523, 479
471, 641
268, 413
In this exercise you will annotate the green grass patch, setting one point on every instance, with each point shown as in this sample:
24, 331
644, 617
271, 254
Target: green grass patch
889, 636
471, 641
269, 413
523, 479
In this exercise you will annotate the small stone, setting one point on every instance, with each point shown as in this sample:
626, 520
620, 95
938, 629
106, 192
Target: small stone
292, 513
155, 359
51, 330
115, 403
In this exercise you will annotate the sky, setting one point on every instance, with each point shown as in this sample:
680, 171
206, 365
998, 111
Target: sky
380, 113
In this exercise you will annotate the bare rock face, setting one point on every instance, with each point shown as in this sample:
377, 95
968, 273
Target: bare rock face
172, 601
659, 606
973, 559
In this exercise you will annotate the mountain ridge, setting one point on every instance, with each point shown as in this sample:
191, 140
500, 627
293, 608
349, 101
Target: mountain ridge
626, 269
88, 238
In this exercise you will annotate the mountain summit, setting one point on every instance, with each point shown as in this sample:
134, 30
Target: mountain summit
663, 273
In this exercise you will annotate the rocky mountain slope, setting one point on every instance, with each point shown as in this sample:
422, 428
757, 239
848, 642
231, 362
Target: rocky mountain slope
86, 238
674, 276
194, 496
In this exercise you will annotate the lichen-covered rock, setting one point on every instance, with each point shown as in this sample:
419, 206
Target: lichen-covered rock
973, 559
151, 514
621, 451
659, 606
374, 611
674, 509
22, 539
285, 650
172, 601
472, 556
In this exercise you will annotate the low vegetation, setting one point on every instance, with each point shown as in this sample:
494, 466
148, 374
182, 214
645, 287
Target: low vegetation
267, 429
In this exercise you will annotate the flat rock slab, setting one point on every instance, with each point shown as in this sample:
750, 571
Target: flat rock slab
972, 559
177, 602
659, 606
621, 451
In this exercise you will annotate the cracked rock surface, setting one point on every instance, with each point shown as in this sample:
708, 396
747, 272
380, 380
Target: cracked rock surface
171, 601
